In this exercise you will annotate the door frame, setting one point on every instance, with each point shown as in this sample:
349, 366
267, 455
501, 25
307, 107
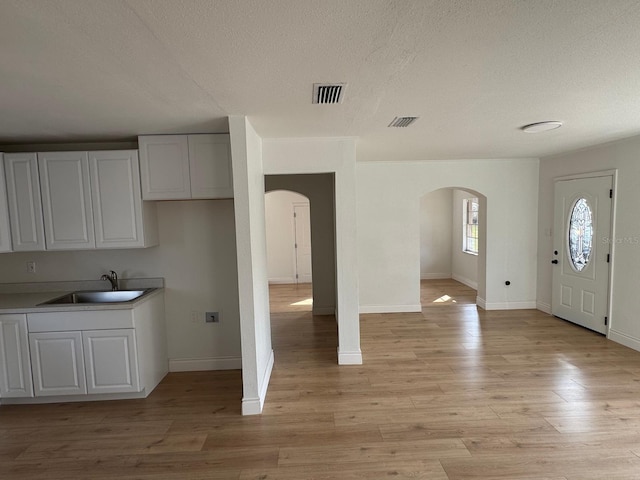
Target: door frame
295, 239
613, 173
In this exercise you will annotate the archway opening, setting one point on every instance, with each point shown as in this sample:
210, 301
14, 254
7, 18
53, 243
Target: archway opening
452, 247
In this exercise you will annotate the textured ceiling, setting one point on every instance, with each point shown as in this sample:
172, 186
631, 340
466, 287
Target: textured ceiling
473, 70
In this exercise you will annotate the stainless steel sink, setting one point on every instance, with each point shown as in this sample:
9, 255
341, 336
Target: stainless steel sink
107, 296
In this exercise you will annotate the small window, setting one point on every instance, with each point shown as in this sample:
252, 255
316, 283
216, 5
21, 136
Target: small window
470, 231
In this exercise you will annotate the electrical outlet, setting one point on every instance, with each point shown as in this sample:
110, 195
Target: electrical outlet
212, 317
31, 267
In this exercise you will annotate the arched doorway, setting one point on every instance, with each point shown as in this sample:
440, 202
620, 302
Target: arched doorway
452, 248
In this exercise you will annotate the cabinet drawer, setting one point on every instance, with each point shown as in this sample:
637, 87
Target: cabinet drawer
80, 320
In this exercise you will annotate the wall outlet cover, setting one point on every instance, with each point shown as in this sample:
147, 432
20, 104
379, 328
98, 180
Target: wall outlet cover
212, 317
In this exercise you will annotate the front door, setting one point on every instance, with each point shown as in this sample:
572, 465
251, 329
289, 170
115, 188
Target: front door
581, 255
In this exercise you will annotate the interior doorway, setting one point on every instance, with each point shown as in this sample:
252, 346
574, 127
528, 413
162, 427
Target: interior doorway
452, 250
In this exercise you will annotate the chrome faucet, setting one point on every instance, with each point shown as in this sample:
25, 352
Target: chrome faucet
112, 278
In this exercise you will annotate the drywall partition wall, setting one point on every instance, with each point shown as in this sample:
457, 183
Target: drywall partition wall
196, 256
464, 266
253, 284
281, 238
622, 156
337, 156
389, 238
435, 234
319, 189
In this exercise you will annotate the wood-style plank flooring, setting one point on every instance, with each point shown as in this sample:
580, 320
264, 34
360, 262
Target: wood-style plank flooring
450, 393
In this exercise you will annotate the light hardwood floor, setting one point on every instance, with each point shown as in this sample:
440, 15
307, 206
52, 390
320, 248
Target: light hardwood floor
450, 393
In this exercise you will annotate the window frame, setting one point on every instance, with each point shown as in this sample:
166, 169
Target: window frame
470, 225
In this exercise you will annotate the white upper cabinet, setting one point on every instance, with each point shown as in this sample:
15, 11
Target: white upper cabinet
175, 167
66, 200
210, 166
25, 205
164, 167
5, 229
121, 220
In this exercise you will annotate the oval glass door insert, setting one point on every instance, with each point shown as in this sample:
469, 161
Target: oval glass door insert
580, 234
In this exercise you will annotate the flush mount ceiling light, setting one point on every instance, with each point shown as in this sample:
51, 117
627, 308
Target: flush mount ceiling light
402, 121
541, 127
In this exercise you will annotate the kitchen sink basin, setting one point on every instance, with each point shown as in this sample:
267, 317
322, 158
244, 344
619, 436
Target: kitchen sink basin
107, 296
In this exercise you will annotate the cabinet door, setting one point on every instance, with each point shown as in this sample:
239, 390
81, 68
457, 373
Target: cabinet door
111, 361
25, 205
117, 202
164, 167
66, 200
15, 366
210, 166
57, 363
5, 231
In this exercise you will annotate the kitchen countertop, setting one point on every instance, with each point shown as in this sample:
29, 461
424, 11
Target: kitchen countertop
26, 298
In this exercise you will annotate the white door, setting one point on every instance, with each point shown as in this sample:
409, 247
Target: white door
66, 200
111, 361
302, 221
164, 166
581, 255
57, 363
15, 367
5, 230
210, 166
116, 197
25, 204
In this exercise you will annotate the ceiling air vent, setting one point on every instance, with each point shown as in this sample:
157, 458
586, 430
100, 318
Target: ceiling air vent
403, 121
328, 92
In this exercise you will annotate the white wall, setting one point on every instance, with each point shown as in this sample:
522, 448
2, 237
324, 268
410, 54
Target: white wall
464, 266
624, 156
389, 234
435, 234
330, 155
197, 258
251, 245
281, 257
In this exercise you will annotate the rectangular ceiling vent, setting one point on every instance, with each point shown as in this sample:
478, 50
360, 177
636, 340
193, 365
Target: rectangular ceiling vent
328, 92
403, 121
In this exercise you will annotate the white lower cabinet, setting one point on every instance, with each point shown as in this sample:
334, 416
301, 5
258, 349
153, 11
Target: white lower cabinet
111, 361
57, 363
15, 366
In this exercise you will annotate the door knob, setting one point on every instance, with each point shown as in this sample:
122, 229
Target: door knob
555, 262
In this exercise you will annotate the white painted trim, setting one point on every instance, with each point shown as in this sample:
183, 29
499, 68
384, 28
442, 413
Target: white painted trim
390, 308
324, 310
481, 302
624, 339
600, 173
74, 398
253, 406
204, 364
282, 280
544, 307
509, 305
468, 282
435, 276
349, 358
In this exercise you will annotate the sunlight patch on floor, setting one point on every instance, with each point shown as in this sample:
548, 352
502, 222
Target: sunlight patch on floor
307, 301
445, 299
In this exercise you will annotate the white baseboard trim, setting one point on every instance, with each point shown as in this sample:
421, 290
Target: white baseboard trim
505, 305
468, 282
203, 364
324, 310
435, 276
349, 358
282, 280
253, 405
544, 307
390, 308
624, 339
